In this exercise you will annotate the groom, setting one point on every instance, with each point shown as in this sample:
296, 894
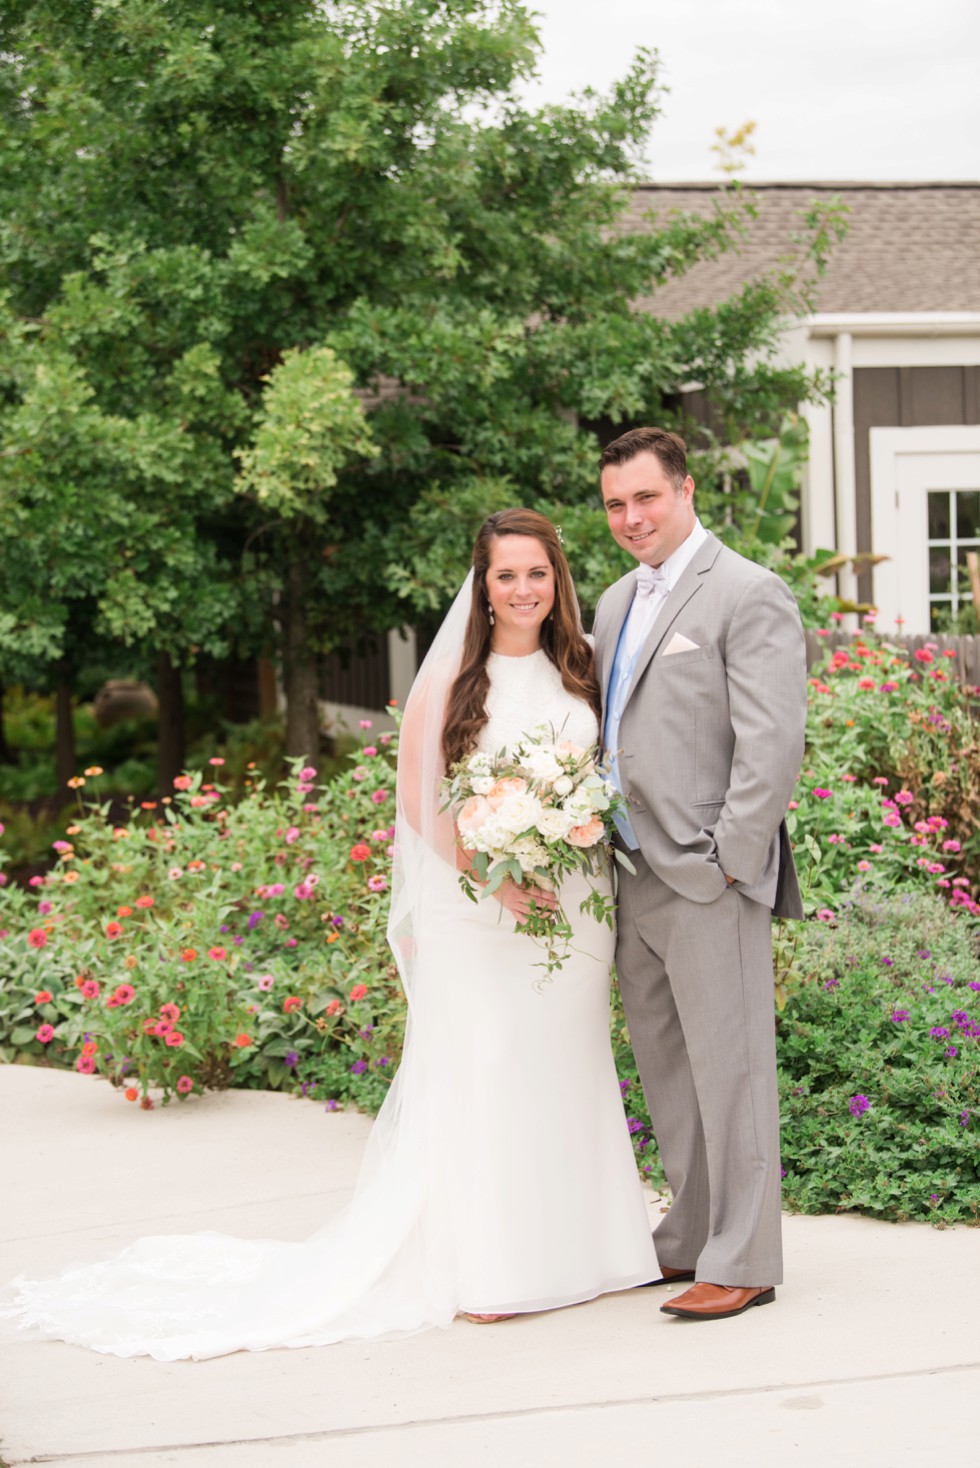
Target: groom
700, 656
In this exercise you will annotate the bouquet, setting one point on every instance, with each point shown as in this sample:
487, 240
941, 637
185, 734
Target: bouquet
534, 813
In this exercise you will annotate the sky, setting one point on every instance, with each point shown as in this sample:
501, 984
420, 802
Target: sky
838, 89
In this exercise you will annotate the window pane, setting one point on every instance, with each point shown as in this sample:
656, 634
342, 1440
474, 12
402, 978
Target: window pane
968, 514
939, 569
939, 514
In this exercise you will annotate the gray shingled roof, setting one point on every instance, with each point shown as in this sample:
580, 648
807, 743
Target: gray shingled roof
909, 246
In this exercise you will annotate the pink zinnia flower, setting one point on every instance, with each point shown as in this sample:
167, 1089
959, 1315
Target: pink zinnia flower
37, 938
85, 1064
217, 953
379, 797
182, 782
376, 884
175, 1038
358, 992
184, 1084
44, 1033
265, 982
292, 835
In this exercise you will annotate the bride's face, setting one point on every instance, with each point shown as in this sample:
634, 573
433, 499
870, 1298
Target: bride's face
520, 585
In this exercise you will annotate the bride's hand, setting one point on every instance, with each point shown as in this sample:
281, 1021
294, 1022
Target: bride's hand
518, 900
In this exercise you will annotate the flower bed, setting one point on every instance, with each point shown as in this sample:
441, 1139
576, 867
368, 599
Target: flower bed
209, 944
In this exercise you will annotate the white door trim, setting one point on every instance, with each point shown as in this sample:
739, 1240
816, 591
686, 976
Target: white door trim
898, 513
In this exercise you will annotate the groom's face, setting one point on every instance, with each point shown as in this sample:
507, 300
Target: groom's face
648, 515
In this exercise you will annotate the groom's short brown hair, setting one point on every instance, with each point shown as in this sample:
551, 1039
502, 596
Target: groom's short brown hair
668, 447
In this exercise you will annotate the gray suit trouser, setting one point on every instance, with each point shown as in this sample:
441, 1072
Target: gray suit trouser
697, 987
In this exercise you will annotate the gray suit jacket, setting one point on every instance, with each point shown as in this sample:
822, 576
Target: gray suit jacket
712, 737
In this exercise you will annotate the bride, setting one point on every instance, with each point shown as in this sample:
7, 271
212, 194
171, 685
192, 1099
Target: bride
499, 1176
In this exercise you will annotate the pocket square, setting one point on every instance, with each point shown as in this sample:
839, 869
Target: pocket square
680, 643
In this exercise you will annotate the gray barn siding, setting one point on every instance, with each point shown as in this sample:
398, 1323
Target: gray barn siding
903, 397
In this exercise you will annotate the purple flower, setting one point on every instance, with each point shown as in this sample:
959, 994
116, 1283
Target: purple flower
821, 794
338, 922
365, 1034
975, 984
224, 928
358, 1068
858, 1105
634, 1124
964, 1118
832, 984
923, 953
961, 1017
290, 1058
624, 1087
254, 918
331, 1105
933, 1197
782, 1172
385, 1060
899, 1016
888, 962
950, 1052
939, 1032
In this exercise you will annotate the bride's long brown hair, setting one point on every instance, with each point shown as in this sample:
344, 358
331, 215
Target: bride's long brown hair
561, 634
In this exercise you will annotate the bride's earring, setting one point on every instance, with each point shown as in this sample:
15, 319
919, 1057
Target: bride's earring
490, 613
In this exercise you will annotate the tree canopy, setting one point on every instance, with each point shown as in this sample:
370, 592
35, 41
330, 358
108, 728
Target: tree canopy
295, 293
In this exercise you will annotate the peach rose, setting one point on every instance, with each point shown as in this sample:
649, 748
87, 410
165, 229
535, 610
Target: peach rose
588, 834
512, 785
474, 813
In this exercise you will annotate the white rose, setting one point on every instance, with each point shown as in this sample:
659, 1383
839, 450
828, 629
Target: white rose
483, 784
518, 812
563, 785
542, 764
555, 823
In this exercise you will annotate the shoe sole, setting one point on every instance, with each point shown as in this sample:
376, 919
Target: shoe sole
766, 1298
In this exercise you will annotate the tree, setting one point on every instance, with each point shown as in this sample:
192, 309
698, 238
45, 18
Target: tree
227, 222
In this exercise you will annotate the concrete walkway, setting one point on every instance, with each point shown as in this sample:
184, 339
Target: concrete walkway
869, 1359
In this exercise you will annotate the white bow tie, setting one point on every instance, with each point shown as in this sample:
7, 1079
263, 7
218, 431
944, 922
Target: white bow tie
650, 579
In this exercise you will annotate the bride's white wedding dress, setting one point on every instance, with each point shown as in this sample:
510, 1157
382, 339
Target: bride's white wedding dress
498, 1177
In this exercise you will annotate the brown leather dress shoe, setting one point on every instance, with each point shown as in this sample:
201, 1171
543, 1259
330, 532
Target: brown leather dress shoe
705, 1301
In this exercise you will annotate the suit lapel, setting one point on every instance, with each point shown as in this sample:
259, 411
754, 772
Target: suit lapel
689, 585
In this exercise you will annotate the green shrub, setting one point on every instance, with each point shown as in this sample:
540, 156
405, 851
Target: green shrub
208, 943
878, 1050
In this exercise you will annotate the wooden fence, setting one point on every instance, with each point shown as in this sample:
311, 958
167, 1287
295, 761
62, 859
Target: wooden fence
966, 664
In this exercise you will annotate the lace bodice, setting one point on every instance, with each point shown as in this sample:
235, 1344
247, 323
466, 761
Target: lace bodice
527, 692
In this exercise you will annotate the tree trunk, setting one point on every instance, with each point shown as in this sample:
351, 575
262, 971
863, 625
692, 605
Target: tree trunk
170, 726
302, 708
7, 756
65, 759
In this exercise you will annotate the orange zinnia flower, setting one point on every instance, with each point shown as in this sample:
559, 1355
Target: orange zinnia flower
113, 930
145, 901
242, 1041
124, 912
